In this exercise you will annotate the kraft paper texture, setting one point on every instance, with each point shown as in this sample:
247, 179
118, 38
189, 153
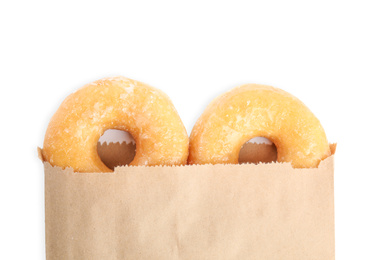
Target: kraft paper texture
246, 211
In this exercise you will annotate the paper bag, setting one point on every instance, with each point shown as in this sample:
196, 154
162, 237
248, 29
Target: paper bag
245, 211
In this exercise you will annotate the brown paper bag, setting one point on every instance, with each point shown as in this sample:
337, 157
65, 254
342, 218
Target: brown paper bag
246, 211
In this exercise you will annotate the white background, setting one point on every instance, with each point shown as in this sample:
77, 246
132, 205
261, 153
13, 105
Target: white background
333, 55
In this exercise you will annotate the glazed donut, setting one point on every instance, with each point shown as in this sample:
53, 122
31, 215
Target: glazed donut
255, 110
115, 103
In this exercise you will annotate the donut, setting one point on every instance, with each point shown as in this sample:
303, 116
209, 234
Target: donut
254, 110
115, 103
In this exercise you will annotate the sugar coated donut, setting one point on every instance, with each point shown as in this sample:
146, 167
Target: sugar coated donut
115, 103
255, 110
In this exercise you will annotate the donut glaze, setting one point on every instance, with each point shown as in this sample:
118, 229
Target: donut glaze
115, 103
255, 110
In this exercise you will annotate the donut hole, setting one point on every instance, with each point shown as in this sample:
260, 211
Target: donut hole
258, 149
116, 148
